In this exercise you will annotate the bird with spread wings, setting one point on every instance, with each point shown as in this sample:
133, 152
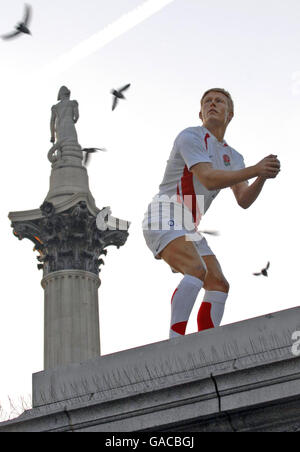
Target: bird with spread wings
21, 27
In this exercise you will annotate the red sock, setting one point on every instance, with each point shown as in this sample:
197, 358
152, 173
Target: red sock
204, 319
211, 310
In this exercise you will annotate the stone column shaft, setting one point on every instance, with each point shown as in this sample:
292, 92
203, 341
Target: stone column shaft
71, 332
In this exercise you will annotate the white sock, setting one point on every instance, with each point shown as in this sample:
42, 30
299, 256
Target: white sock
211, 310
183, 301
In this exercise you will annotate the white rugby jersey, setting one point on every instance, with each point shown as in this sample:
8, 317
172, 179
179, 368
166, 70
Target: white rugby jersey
196, 145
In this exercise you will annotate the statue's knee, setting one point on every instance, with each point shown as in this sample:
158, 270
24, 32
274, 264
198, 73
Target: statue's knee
214, 283
226, 286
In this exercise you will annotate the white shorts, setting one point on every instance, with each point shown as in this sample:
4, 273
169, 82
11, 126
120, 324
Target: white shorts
163, 223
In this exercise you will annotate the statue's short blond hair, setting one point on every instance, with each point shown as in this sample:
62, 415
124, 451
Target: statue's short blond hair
223, 91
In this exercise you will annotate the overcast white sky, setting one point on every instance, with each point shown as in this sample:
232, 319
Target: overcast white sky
252, 49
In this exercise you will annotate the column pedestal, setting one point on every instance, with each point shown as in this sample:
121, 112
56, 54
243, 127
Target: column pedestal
68, 177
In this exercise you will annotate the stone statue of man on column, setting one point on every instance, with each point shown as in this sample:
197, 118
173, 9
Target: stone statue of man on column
64, 116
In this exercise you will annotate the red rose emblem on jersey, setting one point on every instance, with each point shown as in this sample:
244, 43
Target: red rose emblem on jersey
226, 160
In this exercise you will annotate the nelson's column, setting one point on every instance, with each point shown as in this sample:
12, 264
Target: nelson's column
70, 234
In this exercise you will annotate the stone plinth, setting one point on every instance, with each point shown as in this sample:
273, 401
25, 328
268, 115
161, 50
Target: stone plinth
239, 377
68, 177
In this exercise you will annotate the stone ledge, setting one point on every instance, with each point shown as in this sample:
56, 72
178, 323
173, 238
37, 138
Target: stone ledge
193, 406
237, 346
215, 380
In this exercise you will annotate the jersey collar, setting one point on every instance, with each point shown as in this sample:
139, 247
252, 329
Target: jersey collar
223, 143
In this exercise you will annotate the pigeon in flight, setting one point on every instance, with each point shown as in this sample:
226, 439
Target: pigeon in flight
89, 151
21, 27
118, 94
264, 271
210, 232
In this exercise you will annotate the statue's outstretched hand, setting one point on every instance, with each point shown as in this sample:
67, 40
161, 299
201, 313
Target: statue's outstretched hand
52, 139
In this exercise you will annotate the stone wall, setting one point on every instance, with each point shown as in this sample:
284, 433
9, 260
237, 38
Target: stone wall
240, 377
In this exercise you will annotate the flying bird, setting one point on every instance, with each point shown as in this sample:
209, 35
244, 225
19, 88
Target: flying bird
210, 232
118, 95
89, 151
264, 271
21, 27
